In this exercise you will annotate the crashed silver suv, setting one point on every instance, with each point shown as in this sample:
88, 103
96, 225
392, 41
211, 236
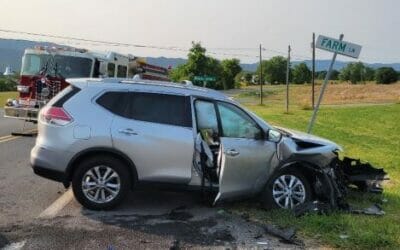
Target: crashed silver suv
106, 136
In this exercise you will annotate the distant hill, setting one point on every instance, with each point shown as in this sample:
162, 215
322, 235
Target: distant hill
11, 52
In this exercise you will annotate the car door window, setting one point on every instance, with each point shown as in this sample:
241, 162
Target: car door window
236, 123
207, 122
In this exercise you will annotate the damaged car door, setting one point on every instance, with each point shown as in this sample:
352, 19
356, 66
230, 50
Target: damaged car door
245, 153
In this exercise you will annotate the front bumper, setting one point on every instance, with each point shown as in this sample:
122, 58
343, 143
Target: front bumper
22, 113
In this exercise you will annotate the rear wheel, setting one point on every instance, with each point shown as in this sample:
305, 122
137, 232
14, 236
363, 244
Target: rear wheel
100, 183
286, 189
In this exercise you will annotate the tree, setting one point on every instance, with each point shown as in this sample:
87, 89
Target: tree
301, 73
334, 75
230, 68
369, 74
386, 75
353, 72
320, 75
247, 77
274, 70
179, 73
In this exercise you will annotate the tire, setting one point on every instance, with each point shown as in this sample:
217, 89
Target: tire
301, 186
118, 176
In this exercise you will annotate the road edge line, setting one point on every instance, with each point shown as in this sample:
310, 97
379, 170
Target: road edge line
57, 205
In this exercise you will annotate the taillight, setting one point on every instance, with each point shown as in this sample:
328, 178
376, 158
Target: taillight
55, 116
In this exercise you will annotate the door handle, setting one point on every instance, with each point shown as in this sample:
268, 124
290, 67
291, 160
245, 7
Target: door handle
127, 131
232, 152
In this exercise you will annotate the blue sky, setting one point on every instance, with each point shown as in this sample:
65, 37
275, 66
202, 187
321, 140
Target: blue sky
218, 24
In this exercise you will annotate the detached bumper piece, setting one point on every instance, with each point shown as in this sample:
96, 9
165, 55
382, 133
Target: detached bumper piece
363, 175
23, 113
344, 175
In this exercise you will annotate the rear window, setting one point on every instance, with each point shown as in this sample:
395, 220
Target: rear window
115, 102
63, 96
150, 107
160, 108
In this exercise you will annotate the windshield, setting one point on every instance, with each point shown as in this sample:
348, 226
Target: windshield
67, 66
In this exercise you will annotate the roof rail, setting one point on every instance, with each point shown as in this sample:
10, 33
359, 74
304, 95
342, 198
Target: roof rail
148, 82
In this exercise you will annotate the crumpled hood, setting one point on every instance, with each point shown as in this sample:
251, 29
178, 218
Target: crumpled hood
297, 135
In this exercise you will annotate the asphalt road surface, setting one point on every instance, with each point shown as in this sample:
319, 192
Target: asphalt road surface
36, 213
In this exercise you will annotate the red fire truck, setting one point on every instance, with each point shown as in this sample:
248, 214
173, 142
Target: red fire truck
45, 70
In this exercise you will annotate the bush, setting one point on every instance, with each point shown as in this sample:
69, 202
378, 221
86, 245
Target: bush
7, 85
385, 75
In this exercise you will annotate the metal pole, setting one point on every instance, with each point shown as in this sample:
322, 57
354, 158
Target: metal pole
287, 80
313, 72
261, 80
321, 95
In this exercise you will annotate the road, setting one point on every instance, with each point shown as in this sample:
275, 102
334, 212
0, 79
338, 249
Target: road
36, 213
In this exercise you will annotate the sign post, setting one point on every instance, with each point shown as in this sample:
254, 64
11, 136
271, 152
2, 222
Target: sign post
337, 47
204, 79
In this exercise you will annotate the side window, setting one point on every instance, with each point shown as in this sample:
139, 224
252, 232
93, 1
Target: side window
160, 108
206, 117
236, 123
110, 69
115, 102
121, 71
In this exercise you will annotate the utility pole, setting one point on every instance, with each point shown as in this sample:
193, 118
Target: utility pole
313, 71
260, 80
287, 80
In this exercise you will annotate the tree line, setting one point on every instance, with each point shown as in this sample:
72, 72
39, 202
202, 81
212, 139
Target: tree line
228, 73
274, 72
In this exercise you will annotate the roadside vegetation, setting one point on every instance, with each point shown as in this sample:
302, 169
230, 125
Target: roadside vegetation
7, 95
364, 120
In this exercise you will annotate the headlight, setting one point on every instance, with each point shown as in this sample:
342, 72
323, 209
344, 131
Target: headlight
23, 89
45, 92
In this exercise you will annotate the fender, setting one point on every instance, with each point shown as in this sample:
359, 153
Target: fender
100, 150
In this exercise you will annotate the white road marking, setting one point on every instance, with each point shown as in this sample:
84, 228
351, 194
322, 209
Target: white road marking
5, 137
9, 139
57, 206
15, 245
13, 137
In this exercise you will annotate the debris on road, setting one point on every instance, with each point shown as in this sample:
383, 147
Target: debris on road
372, 210
314, 207
287, 235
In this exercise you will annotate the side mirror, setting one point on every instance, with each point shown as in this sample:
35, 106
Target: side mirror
274, 135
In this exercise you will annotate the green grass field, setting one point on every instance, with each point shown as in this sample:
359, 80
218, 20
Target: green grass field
369, 132
6, 95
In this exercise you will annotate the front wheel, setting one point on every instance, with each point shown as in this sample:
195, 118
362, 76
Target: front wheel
100, 183
286, 189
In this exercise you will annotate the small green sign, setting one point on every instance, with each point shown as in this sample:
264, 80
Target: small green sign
338, 46
204, 78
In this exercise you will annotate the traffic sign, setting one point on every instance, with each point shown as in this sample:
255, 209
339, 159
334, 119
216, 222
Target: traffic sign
337, 46
204, 78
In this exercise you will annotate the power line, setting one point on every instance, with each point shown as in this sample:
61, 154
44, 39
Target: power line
93, 42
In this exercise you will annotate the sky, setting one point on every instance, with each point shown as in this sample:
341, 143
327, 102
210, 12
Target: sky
227, 28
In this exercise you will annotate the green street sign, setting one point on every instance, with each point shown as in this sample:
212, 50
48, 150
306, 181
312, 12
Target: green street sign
338, 46
204, 78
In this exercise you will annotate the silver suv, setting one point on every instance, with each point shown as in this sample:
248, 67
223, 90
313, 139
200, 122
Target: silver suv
106, 136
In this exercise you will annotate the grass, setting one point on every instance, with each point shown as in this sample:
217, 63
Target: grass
6, 95
369, 132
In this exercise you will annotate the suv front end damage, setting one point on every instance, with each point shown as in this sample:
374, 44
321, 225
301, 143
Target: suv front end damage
331, 176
